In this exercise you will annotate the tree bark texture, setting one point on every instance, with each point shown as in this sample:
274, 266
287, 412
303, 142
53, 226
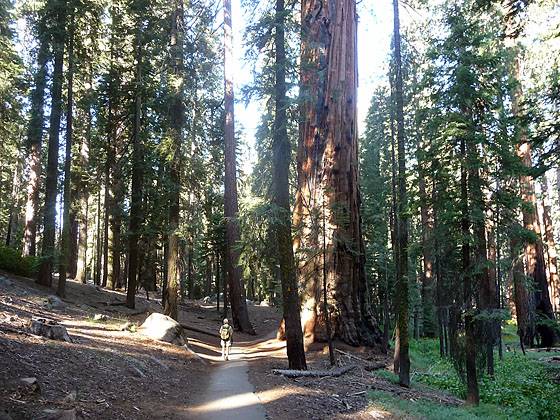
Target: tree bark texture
177, 121
327, 166
239, 310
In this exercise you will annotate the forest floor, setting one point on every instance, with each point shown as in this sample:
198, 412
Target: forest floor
111, 371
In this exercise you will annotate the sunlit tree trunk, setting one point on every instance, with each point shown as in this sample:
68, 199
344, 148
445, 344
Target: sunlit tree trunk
328, 177
534, 251
239, 310
34, 146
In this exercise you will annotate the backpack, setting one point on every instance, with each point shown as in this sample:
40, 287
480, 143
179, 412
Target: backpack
225, 332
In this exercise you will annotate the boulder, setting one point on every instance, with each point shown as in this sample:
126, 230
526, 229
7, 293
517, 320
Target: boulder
49, 329
163, 328
100, 317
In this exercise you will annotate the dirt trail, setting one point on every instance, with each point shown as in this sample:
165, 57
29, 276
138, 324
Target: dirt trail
229, 392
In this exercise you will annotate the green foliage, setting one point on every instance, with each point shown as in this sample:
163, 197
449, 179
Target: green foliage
429, 410
522, 385
12, 261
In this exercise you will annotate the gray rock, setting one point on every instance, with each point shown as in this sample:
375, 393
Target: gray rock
163, 328
49, 329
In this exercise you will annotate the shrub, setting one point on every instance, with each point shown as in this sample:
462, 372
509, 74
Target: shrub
12, 261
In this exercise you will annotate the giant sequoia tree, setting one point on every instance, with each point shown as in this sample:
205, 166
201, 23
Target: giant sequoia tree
327, 208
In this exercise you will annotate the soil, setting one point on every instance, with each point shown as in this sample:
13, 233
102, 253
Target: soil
111, 371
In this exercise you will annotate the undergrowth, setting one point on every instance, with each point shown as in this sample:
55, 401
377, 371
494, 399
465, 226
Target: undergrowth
523, 387
12, 261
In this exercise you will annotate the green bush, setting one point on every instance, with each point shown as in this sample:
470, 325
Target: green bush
12, 261
522, 385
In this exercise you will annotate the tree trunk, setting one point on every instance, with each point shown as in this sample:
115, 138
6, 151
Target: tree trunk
34, 145
137, 169
554, 280
401, 284
470, 339
65, 243
327, 166
534, 251
429, 327
98, 242
177, 122
48, 250
281, 167
239, 310
81, 271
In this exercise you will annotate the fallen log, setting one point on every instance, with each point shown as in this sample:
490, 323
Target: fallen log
289, 373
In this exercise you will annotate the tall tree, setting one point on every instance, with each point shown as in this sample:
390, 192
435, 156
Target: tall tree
34, 144
237, 289
65, 240
533, 249
327, 167
401, 284
49, 233
137, 172
176, 117
281, 163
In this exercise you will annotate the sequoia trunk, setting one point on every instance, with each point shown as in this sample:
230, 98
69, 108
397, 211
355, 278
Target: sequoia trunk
327, 167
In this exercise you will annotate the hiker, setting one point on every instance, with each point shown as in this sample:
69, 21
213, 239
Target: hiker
226, 334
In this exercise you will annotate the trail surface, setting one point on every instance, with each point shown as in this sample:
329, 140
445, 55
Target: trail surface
230, 395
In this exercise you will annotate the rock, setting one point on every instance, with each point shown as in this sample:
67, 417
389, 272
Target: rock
49, 329
100, 317
265, 303
59, 414
29, 385
160, 327
207, 300
55, 302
